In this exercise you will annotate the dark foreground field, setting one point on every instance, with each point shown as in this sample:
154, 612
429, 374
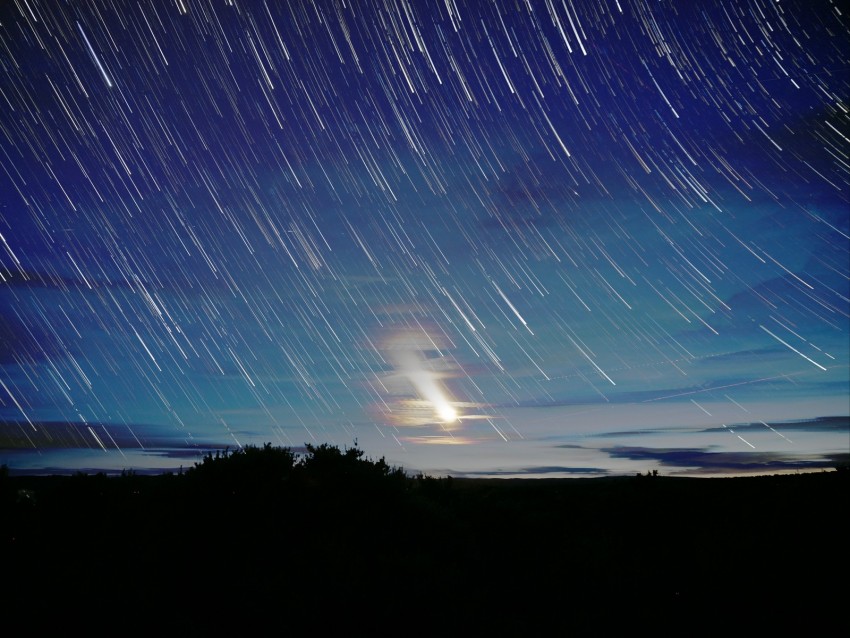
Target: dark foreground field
262, 543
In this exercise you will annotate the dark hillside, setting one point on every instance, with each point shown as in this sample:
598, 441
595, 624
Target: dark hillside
264, 542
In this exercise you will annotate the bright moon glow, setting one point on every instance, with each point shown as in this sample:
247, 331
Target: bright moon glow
446, 412
407, 357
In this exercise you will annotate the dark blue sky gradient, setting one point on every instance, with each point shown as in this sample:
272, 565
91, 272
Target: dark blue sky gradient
511, 239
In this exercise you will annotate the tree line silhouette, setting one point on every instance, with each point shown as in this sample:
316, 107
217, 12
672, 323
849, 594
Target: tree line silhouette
263, 540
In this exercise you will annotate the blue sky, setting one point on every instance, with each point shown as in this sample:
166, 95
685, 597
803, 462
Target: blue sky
581, 239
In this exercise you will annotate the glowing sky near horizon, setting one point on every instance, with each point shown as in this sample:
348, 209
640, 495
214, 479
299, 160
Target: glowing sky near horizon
473, 237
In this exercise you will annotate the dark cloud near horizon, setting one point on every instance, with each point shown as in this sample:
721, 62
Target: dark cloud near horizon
22, 435
702, 460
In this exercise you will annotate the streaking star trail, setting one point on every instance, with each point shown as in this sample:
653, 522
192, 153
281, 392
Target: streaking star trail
532, 230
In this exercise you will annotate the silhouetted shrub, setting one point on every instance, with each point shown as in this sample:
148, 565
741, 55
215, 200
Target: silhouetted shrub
327, 464
253, 469
250, 462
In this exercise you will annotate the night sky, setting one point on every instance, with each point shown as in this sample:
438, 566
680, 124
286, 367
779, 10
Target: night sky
530, 238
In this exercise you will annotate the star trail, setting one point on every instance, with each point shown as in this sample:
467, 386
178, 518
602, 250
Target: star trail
477, 238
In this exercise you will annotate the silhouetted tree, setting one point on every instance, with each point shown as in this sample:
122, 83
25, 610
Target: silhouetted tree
250, 462
264, 468
328, 465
